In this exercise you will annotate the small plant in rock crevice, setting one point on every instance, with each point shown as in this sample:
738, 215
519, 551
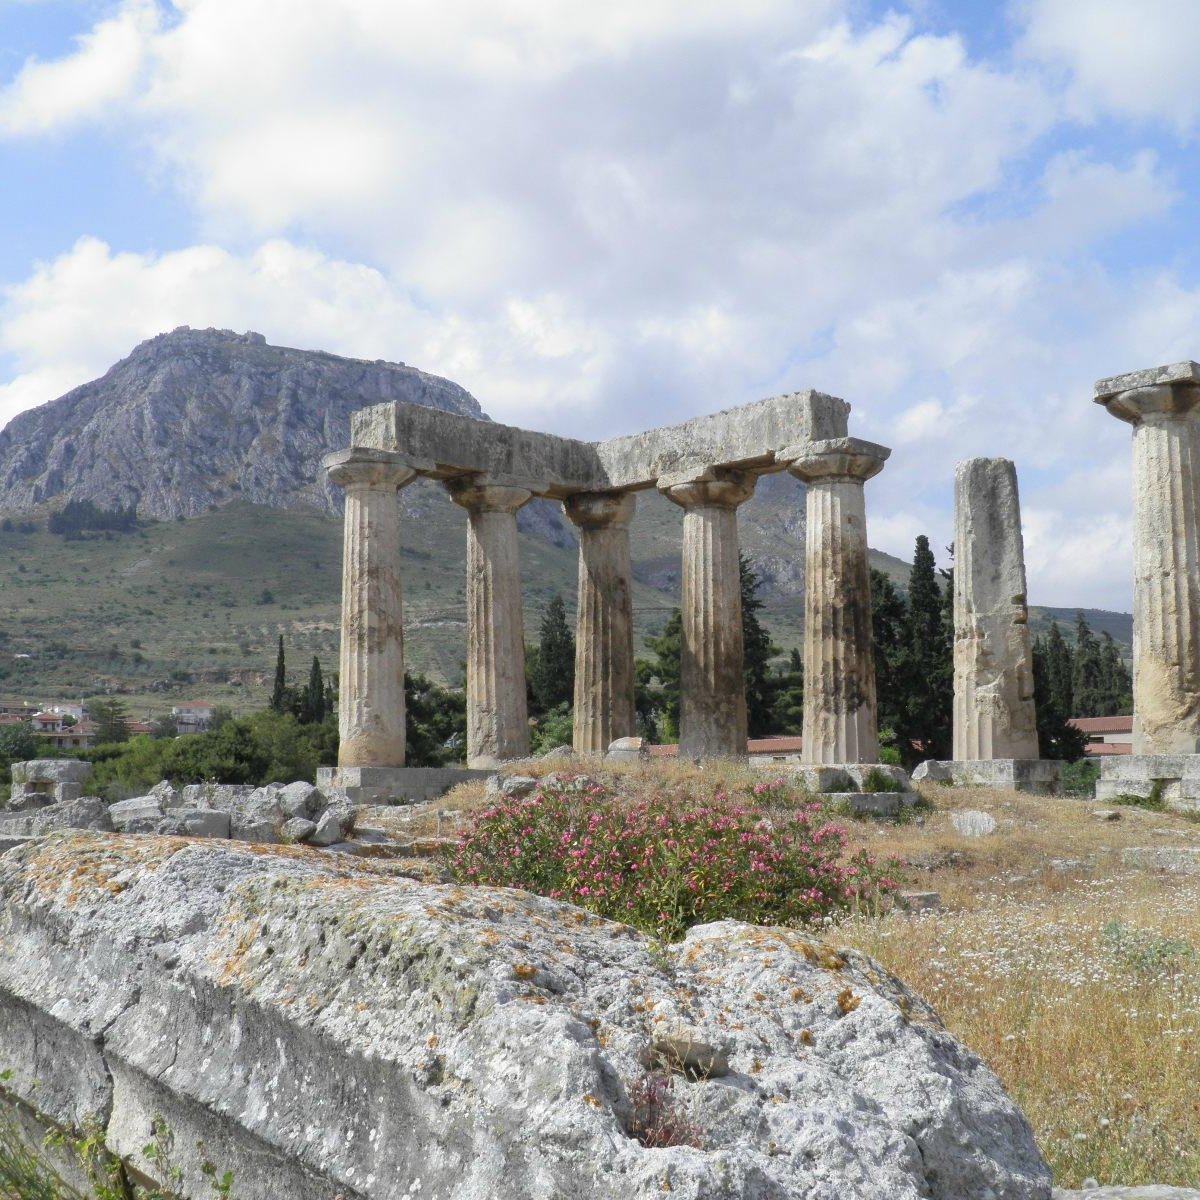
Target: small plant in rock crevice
669, 860
877, 781
655, 1120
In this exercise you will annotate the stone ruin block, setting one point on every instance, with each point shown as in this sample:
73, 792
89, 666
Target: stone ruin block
1175, 778
47, 781
1035, 775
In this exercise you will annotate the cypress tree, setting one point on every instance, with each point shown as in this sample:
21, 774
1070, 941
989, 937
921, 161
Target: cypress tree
787, 696
1117, 682
1087, 678
658, 680
757, 651
1059, 672
1056, 738
279, 691
889, 621
313, 700
553, 673
929, 666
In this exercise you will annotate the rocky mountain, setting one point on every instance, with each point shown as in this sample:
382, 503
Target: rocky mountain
203, 417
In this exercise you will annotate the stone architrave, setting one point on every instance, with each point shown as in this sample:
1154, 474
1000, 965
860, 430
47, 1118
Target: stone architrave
497, 712
712, 700
371, 663
994, 714
1163, 406
604, 696
840, 717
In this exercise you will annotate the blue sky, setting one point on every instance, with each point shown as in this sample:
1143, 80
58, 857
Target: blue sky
955, 215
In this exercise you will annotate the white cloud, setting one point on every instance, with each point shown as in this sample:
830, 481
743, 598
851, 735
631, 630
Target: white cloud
1135, 60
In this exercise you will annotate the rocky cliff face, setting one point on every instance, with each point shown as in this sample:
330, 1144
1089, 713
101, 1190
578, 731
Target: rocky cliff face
198, 417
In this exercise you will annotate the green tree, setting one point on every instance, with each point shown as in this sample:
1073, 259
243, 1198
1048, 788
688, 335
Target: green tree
163, 727
929, 667
312, 699
18, 743
279, 697
889, 628
757, 652
1117, 682
553, 666
1087, 677
110, 720
435, 722
1059, 671
787, 696
658, 681
1057, 738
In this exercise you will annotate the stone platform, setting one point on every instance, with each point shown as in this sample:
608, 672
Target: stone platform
1177, 777
1039, 776
393, 785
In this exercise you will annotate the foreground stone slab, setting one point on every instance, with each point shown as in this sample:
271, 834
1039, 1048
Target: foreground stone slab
47, 781
1174, 778
1039, 776
393, 785
320, 1028
1153, 1192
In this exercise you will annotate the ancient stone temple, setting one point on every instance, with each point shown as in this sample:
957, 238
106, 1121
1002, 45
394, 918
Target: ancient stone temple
1163, 407
708, 467
995, 723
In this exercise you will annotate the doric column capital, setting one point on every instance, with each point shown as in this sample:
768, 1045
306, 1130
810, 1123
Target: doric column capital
369, 468
1158, 402
480, 495
600, 510
714, 488
836, 459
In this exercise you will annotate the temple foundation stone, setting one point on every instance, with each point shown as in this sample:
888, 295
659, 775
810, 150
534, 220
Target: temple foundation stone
371, 711
604, 685
497, 712
712, 702
994, 716
840, 717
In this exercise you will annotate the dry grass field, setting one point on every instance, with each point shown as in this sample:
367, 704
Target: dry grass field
1074, 975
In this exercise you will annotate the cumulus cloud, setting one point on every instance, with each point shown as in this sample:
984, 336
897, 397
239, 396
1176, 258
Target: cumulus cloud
588, 213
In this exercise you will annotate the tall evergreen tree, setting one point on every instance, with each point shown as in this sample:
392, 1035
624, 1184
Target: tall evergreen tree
1087, 678
553, 667
1059, 671
279, 698
1118, 683
889, 627
929, 667
110, 720
312, 701
1057, 739
757, 651
658, 681
787, 696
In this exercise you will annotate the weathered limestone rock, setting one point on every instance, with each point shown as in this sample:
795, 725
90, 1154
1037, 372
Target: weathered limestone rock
712, 689
971, 822
371, 664
1162, 406
604, 704
497, 716
47, 781
993, 660
1150, 1192
628, 749
88, 812
840, 719
391, 785
319, 1026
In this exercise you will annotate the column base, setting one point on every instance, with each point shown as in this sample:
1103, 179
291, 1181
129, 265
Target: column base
393, 785
1175, 778
1038, 776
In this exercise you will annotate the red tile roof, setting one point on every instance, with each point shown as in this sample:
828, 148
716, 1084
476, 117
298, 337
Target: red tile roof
1107, 749
1102, 724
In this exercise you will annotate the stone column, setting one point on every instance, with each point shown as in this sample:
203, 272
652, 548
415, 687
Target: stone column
1163, 406
994, 713
712, 702
497, 713
840, 718
604, 704
371, 663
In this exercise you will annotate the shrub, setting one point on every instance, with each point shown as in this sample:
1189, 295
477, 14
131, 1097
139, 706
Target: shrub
1144, 952
880, 781
655, 1120
668, 861
1079, 778
556, 728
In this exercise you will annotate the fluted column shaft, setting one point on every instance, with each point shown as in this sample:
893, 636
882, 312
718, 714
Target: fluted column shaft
712, 701
994, 715
604, 697
497, 711
840, 715
371, 711
1166, 565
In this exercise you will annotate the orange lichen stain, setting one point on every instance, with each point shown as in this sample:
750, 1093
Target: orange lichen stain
755, 1067
525, 971
433, 1042
590, 1099
806, 1038
759, 997
800, 996
847, 1001
533, 998
823, 956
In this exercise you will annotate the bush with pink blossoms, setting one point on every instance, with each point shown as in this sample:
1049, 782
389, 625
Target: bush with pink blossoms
672, 859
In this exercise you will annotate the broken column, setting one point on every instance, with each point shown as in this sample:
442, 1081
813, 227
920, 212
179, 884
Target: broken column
604, 696
712, 695
994, 716
1163, 406
840, 717
371, 664
497, 712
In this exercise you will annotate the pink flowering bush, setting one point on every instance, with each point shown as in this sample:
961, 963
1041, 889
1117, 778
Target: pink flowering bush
670, 860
